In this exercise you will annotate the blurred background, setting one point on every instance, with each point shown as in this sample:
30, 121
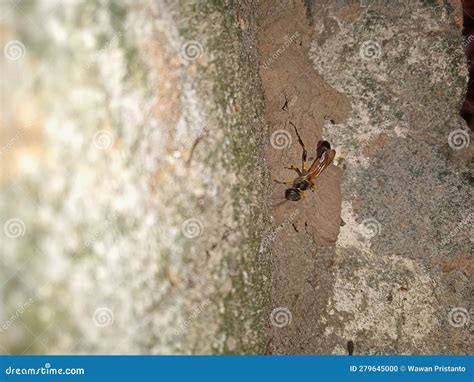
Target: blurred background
116, 173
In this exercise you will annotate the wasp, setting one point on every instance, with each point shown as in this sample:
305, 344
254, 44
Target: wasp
305, 179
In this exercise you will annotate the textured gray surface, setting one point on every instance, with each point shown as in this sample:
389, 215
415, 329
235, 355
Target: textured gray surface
406, 184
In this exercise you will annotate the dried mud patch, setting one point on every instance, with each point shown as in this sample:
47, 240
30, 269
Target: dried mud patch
302, 235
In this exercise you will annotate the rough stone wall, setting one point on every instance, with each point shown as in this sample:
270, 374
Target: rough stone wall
380, 254
406, 181
138, 214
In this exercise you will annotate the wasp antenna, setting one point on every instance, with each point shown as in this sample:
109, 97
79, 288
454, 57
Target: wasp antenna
279, 203
294, 126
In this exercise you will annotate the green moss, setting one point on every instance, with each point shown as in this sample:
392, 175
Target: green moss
241, 154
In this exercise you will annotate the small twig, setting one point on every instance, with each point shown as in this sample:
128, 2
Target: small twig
285, 105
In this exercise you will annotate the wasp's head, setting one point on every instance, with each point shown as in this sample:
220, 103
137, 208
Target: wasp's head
292, 194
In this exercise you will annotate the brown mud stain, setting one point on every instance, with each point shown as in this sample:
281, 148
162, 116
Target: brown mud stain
462, 262
302, 236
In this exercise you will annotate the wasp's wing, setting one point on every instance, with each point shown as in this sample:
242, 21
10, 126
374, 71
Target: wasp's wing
324, 158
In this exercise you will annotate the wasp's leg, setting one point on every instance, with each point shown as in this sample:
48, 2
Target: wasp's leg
294, 169
289, 183
305, 153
